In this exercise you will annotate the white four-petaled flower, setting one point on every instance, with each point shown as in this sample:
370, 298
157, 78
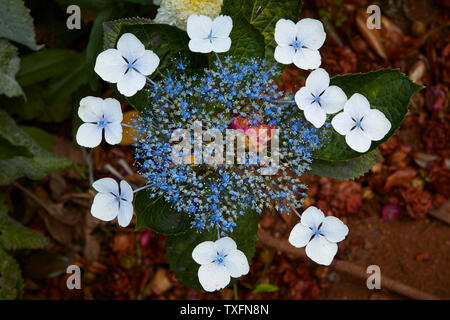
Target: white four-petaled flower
299, 43
219, 261
99, 115
128, 65
317, 97
208, 35
110, 202
360, 124
319, 234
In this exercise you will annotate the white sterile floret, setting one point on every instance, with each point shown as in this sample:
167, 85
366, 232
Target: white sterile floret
99, 115
207, 35
317, 97
110, 202
219, 261
128, 65
359, 124
319, 234
299, 43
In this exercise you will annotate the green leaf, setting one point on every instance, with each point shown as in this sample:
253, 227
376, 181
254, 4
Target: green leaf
41, 65
11, 282
16, 23
265, 287
95, 44
263, 15
37, 164
9, 66
179, 247
61, 87
156, 214
15, 236
246, 41
345, 169
168, 42
387, 90
44, 139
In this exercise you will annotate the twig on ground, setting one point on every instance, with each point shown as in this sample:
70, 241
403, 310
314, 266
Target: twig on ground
346, 267
442, 213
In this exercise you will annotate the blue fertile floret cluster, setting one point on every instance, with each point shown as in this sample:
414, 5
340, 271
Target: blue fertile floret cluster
216, 195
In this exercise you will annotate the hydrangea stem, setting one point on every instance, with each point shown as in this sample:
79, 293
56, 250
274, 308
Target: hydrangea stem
218, 59
142, 188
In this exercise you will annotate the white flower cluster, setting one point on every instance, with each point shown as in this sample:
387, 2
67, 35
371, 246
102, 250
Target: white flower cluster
129, 67
299, 43
177, 12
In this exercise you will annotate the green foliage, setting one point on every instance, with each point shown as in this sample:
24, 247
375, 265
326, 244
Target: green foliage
156, 214
246, 41
45, 64
32, 161
16, 23
263, 15
14, 236
166, 41
387, 90
345, 169
179, 247
265, 287
9, 66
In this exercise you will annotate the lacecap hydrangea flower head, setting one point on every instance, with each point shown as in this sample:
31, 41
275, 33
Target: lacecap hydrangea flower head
222, 143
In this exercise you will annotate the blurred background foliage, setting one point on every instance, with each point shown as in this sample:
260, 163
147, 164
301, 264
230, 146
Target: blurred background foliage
45, 68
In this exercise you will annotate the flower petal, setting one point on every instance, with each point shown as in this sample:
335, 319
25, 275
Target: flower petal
89, 135
318, 81
105, 207
126, 192
333, 99
91, 109
312, 217
204, 252
221, 27
106, 185
357, 106
284, 54
110, 66
237, 263
125, 213
130, 47
333, 229
303, 98
300, 235
221, 45
375, 125
111, 110
342, 123
147, 63
225, 245
199, 27
200, 45
311, 33
285, 32
315, 114
358, 140
113, 133
213, 276
321, 251
131, 83
307, 59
